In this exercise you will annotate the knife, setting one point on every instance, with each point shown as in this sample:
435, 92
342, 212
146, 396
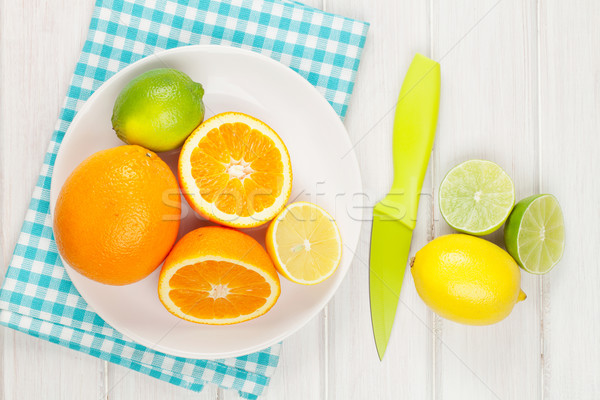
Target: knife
395, 216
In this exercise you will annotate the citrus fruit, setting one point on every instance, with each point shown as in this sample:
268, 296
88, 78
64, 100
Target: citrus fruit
304, 243
476, 197
158, 109
235, 170
117, 215
467, 279
216, 275
535, 234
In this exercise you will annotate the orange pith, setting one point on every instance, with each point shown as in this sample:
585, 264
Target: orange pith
235, 170
216, 275
228, 170
218, 289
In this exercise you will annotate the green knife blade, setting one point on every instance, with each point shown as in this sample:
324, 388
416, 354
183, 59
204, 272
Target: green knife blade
394, 217
388, 236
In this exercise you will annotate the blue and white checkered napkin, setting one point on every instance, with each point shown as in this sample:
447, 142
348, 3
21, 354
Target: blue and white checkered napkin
37, 296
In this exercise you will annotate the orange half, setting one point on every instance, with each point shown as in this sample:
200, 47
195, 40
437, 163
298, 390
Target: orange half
218, 276
235, 170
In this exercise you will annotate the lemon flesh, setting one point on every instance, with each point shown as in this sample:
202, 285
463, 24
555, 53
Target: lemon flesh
535, 233
467, 279
158, 109
476, 197
304, 243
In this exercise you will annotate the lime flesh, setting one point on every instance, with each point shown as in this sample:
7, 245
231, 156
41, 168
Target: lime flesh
535, 234
476, 197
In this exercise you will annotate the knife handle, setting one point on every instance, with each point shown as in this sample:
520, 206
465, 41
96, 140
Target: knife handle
414, 130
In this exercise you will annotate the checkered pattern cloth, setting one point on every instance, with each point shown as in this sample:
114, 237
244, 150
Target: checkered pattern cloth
37, 296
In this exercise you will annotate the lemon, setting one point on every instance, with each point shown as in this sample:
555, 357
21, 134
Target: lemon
304, 243
467, 279
158, 110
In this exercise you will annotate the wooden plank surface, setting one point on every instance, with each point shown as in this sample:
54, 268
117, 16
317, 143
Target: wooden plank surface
488, 110
569, 141
39, 46
397, 32
520, 86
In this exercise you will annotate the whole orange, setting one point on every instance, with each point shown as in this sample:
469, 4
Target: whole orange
117, 215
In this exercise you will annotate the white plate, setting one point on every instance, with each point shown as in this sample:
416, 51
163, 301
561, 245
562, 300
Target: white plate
234, 80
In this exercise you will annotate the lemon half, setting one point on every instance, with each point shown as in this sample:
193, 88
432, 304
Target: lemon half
304, 243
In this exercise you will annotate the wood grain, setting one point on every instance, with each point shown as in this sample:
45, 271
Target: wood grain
488, 111
124, 383
569, 165
302, 372
520, 86
397, 32
39, 46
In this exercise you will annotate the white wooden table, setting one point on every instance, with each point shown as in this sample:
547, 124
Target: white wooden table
520, 86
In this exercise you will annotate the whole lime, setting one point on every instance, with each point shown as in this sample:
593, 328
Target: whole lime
467, 279
158, 109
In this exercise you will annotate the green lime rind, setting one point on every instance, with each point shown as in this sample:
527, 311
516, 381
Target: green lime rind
534, 234
158, 109
476, 197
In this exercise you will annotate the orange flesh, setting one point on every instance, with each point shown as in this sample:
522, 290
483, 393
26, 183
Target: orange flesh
218, 289
238, 169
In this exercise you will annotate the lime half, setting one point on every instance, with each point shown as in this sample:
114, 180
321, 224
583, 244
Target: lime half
476, 197
535, 233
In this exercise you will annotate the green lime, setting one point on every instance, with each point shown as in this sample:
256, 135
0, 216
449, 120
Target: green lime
158, 110
535, 233
476, 197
